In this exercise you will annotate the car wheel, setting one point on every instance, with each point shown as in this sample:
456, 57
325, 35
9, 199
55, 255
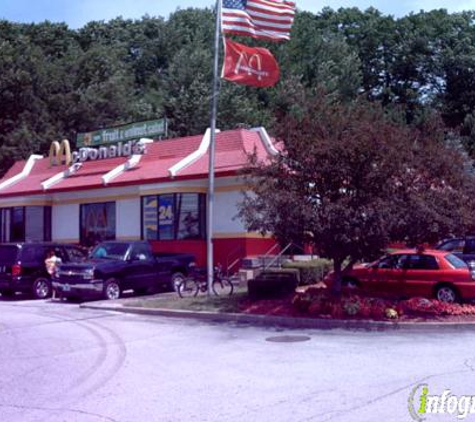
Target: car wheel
41, 288
176, 280
446, 294
111, 289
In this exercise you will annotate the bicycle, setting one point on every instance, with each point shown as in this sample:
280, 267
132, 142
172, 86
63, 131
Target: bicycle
197, 282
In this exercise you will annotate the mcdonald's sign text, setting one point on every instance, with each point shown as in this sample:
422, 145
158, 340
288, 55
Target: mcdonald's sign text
61, 153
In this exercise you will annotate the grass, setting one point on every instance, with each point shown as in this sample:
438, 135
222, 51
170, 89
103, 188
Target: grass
203, 303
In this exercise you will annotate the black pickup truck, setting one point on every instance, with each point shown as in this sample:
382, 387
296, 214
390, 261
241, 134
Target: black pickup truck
113, 267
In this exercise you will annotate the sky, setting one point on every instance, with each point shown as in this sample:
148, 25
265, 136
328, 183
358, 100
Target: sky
76, 13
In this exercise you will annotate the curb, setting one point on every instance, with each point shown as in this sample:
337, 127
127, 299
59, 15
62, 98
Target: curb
287, 322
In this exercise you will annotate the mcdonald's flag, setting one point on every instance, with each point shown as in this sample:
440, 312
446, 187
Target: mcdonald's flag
255, 66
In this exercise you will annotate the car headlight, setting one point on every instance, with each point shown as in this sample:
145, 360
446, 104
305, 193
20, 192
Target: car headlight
89, 274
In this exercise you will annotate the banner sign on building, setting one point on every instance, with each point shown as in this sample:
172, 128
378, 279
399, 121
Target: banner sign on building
148, 129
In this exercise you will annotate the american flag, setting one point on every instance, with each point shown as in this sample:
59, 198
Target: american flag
266, 19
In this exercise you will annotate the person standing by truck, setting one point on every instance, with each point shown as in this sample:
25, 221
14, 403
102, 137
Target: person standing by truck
51, 263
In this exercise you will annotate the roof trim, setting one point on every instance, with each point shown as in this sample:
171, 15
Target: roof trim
120, 184
129, 164
266, 140
194, 156
23, 174
60, 176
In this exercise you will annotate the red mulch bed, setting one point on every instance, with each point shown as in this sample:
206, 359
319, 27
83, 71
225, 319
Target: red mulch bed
315, 302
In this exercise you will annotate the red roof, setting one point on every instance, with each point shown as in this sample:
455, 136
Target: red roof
232, 149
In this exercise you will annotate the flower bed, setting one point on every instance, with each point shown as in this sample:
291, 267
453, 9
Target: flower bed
317, 302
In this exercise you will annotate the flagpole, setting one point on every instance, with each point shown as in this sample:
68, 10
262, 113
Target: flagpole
214, 106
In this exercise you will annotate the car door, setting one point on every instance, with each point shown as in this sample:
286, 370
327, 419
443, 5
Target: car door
420, 275
33, 265
140, 268
164, 265
384, 277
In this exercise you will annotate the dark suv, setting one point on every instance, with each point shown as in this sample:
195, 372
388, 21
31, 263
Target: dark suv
463, 247
23, 269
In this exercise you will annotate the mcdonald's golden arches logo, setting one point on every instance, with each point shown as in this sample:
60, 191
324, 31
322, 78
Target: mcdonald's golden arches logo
60, 153
254, 66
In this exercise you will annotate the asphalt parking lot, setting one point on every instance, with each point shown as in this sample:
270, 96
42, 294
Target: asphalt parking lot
62, 363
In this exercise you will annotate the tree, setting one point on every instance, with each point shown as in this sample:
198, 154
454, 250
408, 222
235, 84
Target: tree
348, 176
320, 58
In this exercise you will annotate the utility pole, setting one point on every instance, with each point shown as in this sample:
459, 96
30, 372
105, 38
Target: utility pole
214, 107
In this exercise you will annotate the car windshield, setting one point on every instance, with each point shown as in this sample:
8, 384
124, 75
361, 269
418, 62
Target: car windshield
110, 251
455, 261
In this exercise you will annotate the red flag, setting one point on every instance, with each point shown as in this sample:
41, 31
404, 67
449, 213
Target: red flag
254, 66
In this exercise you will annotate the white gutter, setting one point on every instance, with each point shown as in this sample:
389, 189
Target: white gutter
266, 141
23, 174
129, 164
194, 156
60, 176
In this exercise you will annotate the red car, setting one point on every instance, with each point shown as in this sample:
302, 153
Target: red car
428, 273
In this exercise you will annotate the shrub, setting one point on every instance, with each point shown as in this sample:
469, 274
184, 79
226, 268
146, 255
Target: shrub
271, 284
319, 302
311, 272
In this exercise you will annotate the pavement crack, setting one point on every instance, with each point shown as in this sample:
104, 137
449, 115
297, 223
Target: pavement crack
60, 409
56, 321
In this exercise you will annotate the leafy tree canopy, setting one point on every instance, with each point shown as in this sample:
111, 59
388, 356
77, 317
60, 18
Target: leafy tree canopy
350, 180
56, 81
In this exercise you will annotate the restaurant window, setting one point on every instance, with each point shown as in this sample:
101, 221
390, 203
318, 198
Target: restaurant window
175, 216
97, 223
20, 224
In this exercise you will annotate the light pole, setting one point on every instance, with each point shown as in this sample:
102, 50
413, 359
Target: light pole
214, 107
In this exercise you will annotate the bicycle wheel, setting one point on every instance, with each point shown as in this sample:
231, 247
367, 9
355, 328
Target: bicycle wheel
223, 287
187, 288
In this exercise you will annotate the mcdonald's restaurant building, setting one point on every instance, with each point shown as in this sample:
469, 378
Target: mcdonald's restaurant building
147, 189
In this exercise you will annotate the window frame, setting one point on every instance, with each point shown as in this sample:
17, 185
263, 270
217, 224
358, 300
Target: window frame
81, 212
414, 259
201, 210
47, 224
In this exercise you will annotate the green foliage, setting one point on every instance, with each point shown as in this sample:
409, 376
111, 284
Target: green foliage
311, 271
56, 81
351, 180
